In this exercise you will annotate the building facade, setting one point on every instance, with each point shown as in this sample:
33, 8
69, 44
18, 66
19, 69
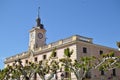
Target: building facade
82, 46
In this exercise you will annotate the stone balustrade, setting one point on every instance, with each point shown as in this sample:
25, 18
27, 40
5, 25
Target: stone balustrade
18, 56
52, 45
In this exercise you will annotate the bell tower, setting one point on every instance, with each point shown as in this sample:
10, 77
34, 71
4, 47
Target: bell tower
37, 35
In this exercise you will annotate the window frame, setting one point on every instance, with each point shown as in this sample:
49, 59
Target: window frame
44, 56
84, 49
35, 59
101, 52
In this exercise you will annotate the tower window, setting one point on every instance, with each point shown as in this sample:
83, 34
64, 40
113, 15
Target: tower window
84, 50
100, 52
35, 59
44, 56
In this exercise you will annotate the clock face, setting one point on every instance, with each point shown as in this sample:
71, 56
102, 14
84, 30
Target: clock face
40, 36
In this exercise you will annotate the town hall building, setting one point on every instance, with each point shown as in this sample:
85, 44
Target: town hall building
82, 46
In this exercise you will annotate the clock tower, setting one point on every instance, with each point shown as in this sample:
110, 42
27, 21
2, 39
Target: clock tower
37, 37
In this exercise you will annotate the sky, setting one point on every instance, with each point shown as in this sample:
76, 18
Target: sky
97, 19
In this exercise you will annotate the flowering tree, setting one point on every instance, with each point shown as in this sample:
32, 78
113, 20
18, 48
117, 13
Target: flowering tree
108, 62
5, 73
81, 67
53, 64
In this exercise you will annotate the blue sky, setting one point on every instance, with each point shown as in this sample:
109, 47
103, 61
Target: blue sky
97, 19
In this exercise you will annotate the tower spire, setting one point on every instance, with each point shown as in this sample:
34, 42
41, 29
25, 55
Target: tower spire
38, 20
38, 11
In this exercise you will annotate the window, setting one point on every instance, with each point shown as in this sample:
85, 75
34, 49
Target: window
35, 59
44, 56
13, 64
55, 54
26, 61
100, 52
102, 72
56, 76
114, 72
35, 76
8, 65
84, 50
62, 76
67, 74
20, 61
88, 75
